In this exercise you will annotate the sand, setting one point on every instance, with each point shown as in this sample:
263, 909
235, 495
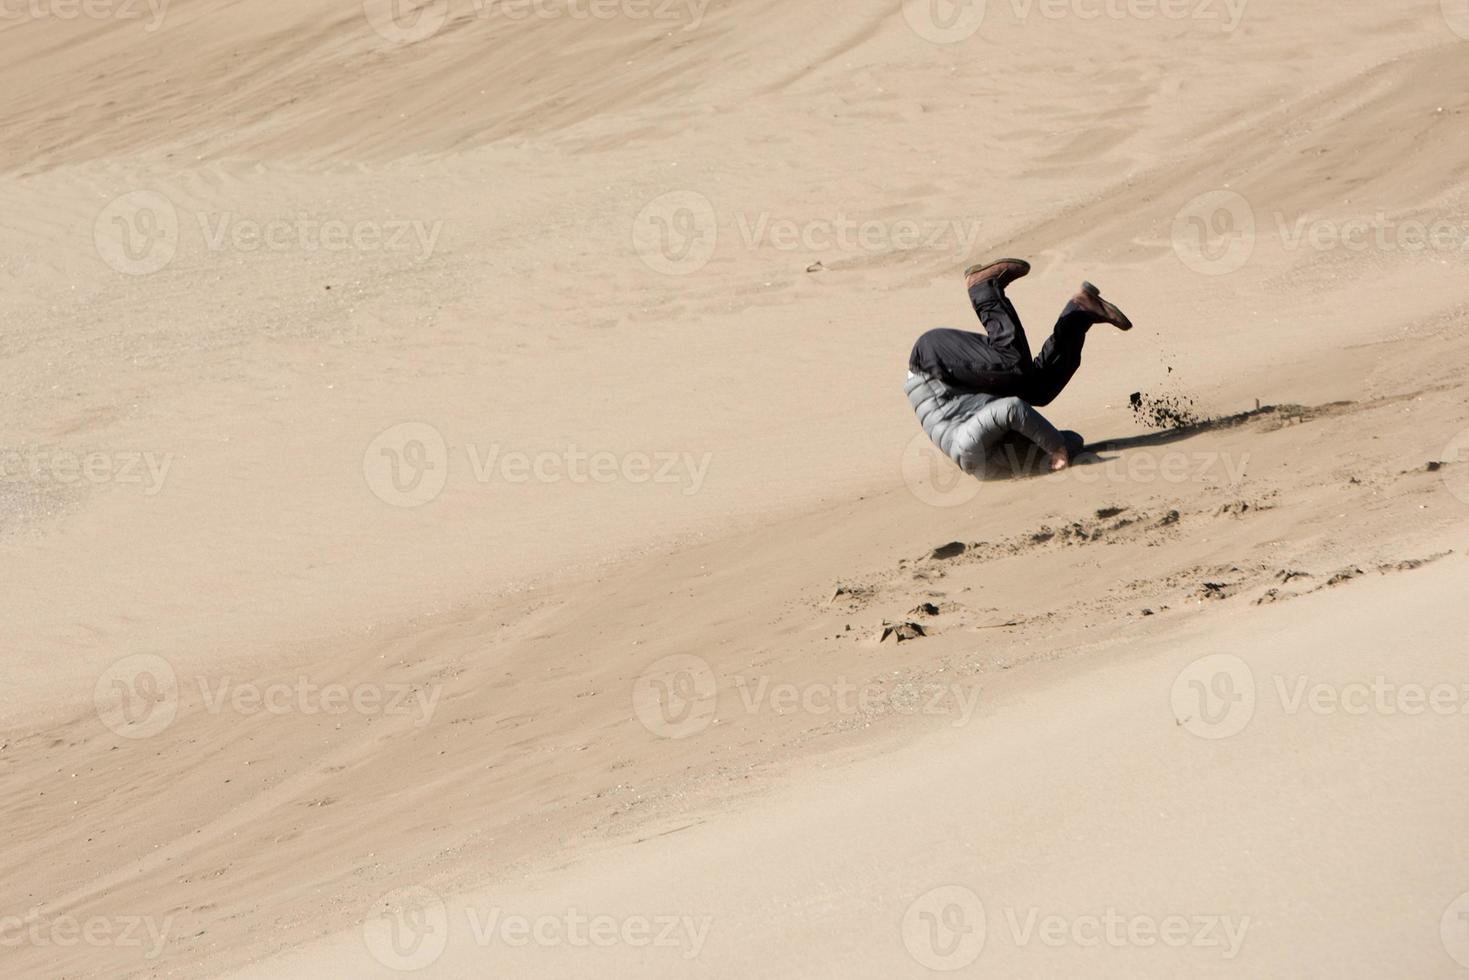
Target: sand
457, 478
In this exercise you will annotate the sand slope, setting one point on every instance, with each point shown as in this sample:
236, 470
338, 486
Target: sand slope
503, 295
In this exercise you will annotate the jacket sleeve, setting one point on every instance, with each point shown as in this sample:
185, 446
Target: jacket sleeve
1017, 416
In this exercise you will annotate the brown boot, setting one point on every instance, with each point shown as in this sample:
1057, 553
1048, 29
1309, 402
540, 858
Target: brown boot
1004, 271
1090, 299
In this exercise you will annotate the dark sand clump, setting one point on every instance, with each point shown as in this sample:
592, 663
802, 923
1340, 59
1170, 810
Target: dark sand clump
1168, 411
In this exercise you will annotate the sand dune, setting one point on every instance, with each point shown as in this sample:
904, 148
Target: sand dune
504, 375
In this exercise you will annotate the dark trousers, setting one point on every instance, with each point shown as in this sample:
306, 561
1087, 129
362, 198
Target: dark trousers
1005, 367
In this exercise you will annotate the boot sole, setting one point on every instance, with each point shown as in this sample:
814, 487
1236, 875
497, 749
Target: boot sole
1096, 294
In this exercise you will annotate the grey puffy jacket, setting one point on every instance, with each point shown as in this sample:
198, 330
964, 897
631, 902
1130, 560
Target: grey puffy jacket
968, 426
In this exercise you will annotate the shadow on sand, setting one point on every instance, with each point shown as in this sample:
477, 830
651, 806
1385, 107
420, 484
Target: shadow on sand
1016, 457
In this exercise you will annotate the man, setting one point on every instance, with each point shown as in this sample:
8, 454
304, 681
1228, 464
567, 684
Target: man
973, 391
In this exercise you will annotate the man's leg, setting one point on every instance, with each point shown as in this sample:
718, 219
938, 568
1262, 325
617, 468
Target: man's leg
1001, 324
1011, 360
1061, 355
1059, 358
